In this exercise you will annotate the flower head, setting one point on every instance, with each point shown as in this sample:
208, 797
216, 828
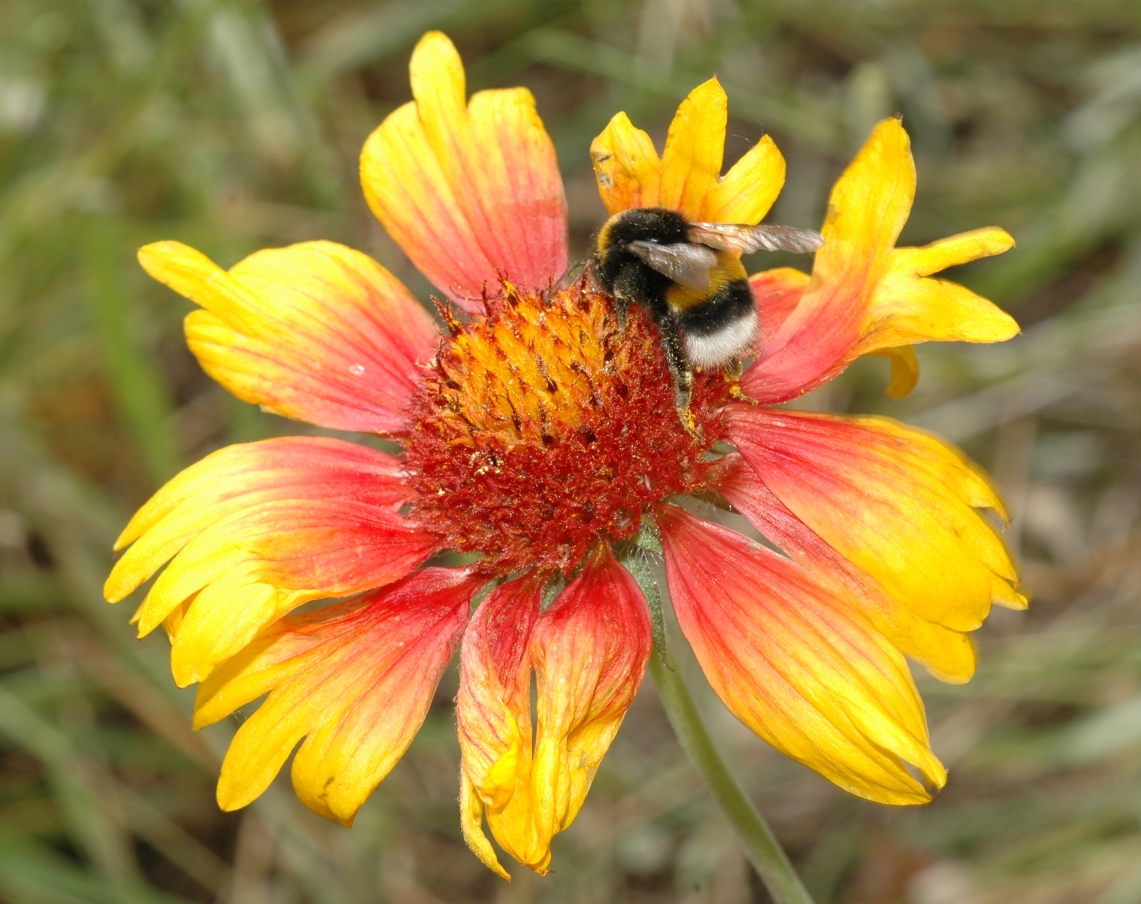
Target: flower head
540, 436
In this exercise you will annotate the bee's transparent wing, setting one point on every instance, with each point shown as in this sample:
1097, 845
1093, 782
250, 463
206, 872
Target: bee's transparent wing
747, 239
687, 265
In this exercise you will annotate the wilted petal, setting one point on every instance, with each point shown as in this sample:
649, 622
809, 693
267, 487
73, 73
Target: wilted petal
687, 177
865, 294
589, 650
626, 166
354, 679
797, 664
467, 189
897, 503
316, 332
493, 712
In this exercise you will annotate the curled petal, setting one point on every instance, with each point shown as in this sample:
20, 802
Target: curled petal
493, 712
904, 370
687, 177
316, 332
241, 476
589, 650
947, 654
865, 294
354, 679
797, 664
897, 503
471, 824
467, 188
253, 566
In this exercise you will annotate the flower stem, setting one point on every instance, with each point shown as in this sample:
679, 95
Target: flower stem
761, 846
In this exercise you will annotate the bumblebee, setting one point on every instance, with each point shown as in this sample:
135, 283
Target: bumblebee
690, 278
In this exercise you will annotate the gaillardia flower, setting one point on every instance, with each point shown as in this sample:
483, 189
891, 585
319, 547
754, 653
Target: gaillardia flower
540, 438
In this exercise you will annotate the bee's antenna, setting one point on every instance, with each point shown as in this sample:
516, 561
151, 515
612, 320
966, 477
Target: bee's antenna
572, 274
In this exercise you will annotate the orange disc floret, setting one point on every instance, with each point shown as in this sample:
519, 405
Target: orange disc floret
545, 426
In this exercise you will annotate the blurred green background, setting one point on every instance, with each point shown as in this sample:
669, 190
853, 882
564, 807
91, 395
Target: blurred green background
236, 125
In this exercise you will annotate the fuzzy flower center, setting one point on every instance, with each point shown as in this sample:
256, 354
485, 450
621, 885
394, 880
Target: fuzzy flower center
544, 427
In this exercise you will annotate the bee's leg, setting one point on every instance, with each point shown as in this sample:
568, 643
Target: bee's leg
626, 291
681, 372
622, 309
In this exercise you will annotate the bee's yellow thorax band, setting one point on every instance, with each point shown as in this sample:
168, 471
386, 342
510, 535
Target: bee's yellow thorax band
729, 269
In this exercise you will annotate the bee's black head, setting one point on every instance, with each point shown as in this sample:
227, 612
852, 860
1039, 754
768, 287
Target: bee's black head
638, 224
643, 224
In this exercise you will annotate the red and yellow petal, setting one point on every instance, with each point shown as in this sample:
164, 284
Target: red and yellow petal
241, 476
467, 189
866, 295
589, 652
949, 655
316, 332
493, 712
355, 680
776, 294
797, 664
259, 530
897, 503
248, 569
687, 177
285, 471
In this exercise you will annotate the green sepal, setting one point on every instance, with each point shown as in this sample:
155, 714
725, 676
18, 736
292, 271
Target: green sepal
645, 548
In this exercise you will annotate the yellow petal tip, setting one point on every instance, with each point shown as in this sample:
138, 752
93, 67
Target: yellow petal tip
112, 592
227, 800
433, 38
947, 677
1002, 327
891, 127
1017, 601
709, 91
1003, 240
904, 370
155, 257
185, 673
182, 268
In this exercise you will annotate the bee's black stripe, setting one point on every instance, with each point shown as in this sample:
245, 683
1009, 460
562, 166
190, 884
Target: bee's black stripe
732, 302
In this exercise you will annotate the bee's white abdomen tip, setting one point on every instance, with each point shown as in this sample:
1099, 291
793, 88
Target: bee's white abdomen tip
732, 341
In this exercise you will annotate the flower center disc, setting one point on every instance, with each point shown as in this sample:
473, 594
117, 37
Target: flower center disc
543, 427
